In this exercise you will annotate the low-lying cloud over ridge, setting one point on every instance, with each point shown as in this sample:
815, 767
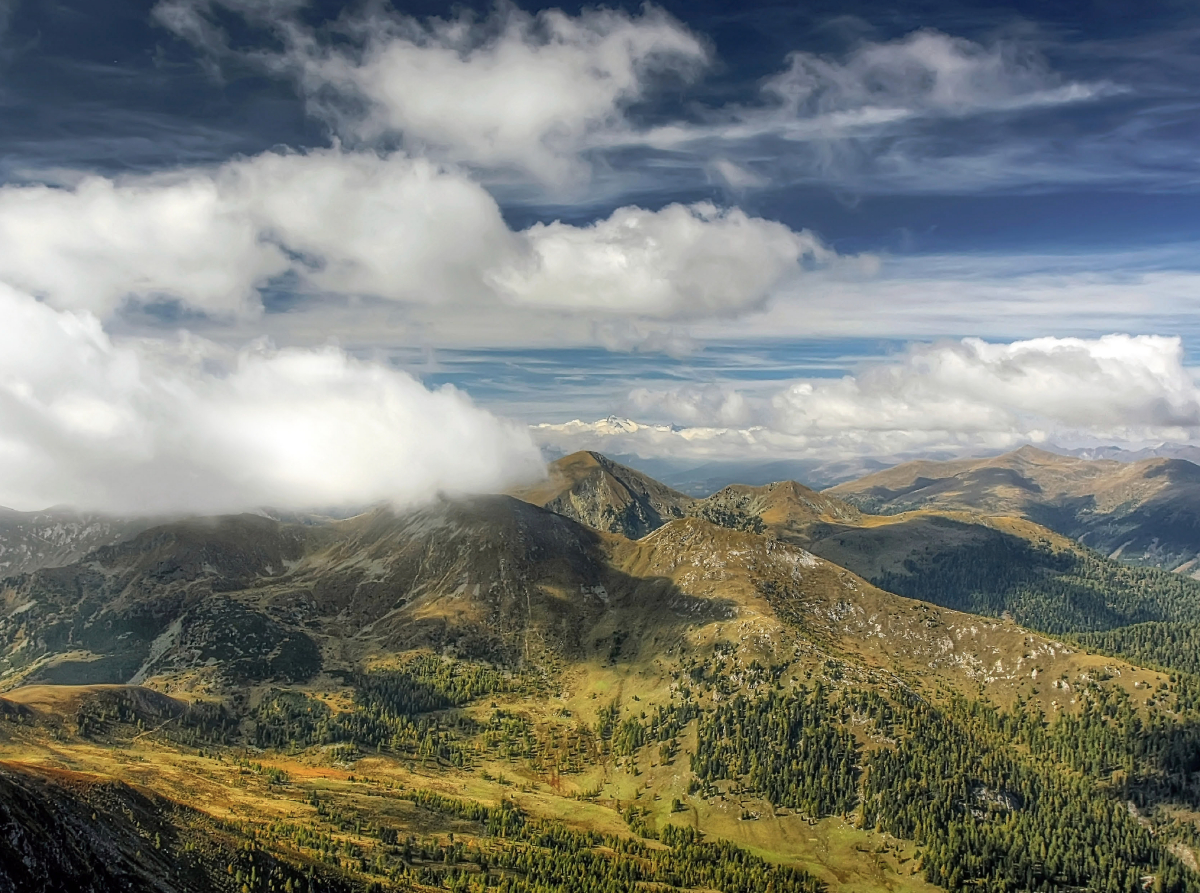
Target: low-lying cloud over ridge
183, 425
180, 423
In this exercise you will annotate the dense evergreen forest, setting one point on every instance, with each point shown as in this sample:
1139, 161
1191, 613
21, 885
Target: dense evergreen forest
1006, 801
790, 747
1173, 646
1057, 591
998, 800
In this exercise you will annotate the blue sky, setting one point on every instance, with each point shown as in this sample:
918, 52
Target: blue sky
757, 230
103, 86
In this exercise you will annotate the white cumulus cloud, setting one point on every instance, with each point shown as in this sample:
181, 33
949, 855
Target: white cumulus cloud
350, 223
1108, 386
99, 242
385, 226
166, 426
945, 396
512, 90
678, 262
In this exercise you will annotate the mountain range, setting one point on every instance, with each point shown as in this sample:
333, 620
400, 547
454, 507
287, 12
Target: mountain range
1145, 512
927, 678
57, 536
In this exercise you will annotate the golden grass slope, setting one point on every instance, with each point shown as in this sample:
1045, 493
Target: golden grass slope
1145, 512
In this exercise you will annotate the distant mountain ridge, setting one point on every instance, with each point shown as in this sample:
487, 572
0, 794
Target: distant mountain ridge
250, 598
596, 491
983, 559
1125, 454
33, 540
215, 604
1145, 512
969, 561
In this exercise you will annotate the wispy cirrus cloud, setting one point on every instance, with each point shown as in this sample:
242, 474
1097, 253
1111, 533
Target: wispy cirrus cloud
926, 113
551, 101
998, 296
881, 85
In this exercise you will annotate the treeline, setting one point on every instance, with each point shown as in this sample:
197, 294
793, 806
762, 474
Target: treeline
116, 713
409, 712
396, 710
1145, 758
290, 720
515, 853
427, 682
1054, 590
1172, 646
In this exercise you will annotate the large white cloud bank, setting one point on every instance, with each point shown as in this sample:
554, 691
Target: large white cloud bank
513, 90
954, 396
383, 226
165, 426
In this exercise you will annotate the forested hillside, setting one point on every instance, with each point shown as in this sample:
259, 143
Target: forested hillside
1175, 646
1054, 589
487, 695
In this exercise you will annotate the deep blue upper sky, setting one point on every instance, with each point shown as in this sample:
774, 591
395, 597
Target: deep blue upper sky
97, 85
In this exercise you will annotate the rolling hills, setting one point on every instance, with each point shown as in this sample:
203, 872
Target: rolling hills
995, 565
974, 553
245, 599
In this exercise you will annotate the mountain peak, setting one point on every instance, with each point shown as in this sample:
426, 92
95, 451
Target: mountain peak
1030, 453
581, 459
606, 495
